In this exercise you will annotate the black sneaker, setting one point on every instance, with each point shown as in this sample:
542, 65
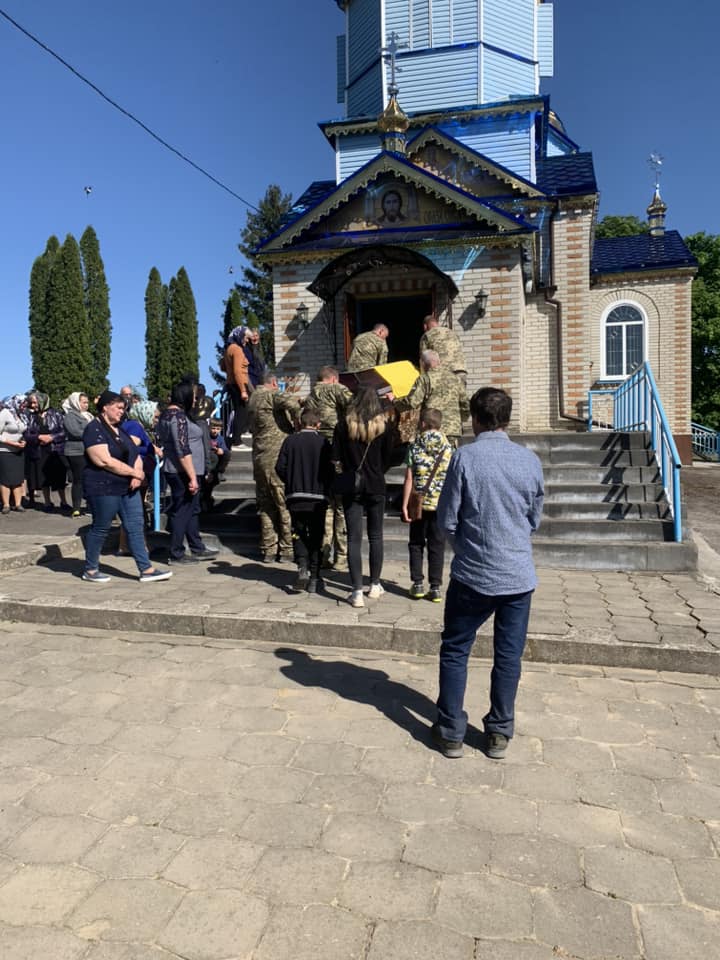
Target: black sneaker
315, 585
209, 553
301, 582
185, 558
452, 749
434, 595
417, 590
497, 744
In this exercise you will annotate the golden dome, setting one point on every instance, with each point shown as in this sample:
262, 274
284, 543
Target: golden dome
393, 119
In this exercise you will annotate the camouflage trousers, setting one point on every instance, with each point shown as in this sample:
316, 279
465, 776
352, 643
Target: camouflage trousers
335, 540
275, 536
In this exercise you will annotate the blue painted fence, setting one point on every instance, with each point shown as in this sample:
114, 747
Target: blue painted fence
705, 441
637, 407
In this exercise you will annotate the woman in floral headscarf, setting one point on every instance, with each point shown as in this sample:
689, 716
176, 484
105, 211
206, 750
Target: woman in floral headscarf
76, 417
45, 443
139, 425
12, 458
237, 382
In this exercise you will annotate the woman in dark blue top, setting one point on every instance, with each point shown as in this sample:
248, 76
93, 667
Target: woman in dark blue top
111, 483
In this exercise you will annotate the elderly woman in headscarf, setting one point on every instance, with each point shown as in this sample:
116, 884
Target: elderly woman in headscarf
237, 382
45, 444
76, 417
12, 458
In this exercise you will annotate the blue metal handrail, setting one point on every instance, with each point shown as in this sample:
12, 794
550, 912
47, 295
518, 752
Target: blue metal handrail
637, 406
705, 441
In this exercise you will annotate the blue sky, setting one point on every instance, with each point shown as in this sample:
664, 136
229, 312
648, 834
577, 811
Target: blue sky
240, 87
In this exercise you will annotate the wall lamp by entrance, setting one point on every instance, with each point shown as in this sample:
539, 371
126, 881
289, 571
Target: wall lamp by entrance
481, 300
302, 315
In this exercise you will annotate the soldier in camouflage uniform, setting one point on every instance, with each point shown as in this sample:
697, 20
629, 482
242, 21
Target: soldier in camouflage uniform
271, 416
447, 346
369, 349
330, 399
438, 388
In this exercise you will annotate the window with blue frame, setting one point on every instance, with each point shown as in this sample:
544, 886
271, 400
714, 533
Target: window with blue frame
624, 340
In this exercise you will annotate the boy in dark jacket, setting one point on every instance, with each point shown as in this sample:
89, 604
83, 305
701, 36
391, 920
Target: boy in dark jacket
305, 467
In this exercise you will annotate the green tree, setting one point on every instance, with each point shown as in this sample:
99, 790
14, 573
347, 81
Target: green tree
184, 353
233, 316
39, 276
67, 366
256, 290
155, 345
97, 305
616, 226
706, 330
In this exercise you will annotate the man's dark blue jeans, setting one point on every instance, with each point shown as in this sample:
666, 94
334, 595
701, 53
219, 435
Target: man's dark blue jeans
465, 612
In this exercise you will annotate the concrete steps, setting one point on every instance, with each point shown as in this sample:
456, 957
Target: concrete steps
605, 508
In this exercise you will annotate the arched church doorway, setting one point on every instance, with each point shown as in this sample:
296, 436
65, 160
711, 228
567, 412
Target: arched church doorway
402, 315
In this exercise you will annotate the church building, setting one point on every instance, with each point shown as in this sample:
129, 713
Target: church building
458, 192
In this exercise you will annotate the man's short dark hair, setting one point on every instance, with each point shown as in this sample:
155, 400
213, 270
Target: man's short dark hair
491, 408
432, 419
310, 417
325, 372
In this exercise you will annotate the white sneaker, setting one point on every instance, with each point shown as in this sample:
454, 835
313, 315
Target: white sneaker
357, 599
375, 591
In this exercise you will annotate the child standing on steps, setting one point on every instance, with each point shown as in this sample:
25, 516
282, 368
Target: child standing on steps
426, 466
305, 467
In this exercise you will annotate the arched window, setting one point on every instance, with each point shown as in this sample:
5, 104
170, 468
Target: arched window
624, 345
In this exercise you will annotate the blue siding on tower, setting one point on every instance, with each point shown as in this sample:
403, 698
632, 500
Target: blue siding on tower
438, 80
341, 68
364, 96
510, 26
364, 33
545, 39
354, 151
506, 140
397, 19
505, 77
420, 24
465, 21
440, 26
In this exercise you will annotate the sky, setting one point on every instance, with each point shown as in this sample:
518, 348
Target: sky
240, 87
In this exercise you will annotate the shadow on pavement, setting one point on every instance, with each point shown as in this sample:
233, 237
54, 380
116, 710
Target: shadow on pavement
398, 702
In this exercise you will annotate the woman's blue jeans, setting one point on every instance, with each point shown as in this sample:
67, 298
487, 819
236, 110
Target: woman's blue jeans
465, 612
104, 509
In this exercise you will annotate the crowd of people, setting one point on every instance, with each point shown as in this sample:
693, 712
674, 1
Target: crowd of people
319, 467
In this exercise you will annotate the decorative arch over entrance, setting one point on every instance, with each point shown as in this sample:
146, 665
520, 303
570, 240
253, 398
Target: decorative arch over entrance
401, 310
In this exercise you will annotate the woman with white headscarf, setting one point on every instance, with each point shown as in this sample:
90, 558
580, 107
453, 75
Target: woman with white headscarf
235, 363
76, 417
12, 457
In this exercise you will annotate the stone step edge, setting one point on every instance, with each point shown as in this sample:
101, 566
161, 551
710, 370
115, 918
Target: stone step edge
11, 560
293, 631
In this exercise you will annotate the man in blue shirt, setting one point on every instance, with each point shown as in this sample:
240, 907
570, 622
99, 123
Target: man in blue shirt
489, 506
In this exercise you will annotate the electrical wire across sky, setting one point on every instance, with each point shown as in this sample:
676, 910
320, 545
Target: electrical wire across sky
130, 116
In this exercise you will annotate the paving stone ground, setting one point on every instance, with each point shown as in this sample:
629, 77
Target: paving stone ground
184, 798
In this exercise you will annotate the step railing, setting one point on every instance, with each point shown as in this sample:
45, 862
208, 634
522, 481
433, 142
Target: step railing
637, 407
705, 441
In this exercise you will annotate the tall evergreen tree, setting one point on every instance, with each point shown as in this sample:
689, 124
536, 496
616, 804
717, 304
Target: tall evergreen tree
39, 276
256, 291
706, 329
154, 309
68, 361
233, 316
184, 353
97, 306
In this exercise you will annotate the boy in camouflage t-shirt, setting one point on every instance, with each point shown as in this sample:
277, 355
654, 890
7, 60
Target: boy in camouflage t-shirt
431, 447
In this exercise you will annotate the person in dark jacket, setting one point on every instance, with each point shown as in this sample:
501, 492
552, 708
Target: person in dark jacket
44, 448
305, 467
363, 441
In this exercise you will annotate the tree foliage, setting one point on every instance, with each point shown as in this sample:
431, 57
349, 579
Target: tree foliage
97, 305
184, 353
233, 316
706, 330
158, 373
67, 362
39, 276
256, 290
618, 226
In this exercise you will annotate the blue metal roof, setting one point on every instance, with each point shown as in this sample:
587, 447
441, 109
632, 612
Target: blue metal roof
569, 175
315, 193
641, 252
